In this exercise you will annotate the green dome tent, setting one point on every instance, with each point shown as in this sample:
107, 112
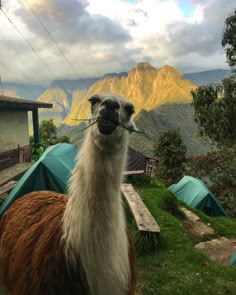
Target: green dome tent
232, 260
50, 172
195, 193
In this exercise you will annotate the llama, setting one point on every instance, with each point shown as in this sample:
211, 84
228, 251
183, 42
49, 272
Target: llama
53, 244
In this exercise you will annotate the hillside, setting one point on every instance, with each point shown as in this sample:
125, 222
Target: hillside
62, 102
65, 95
72, 85
27, 91
153, 122
162, 100
145, 86
179, 268
208, 77
166, 117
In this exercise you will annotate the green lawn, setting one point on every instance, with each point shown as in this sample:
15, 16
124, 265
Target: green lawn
179, 268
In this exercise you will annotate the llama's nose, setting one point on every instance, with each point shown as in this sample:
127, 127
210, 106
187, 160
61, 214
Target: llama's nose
109, 110
109, 116
111, 104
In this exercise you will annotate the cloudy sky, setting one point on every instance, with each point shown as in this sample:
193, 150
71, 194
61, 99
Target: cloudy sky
43, 40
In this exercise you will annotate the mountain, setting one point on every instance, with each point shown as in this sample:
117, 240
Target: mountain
65, 95
167, 117
145, 86
118, 75
27, 91
62, 102
162, 100
72, 85
81, 84
208, 77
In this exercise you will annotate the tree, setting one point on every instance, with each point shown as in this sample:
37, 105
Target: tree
48, 134
171, 151
215, 111
215, 105
229, 39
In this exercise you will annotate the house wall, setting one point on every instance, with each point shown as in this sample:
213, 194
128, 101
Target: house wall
13, 129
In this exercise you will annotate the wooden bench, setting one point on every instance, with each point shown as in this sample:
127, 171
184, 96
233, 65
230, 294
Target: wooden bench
135, 172
144, 220
7, 187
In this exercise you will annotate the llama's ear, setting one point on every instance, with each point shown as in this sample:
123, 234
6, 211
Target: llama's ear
129, 109
94, 100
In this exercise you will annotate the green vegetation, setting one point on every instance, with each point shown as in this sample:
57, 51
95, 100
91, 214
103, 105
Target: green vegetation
170, 204
171, 152
215, 108
48, 136
218, 169
179, 268
229, 39
215, 105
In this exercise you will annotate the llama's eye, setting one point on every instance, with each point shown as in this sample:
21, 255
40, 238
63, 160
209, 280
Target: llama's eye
129, 109
94, 99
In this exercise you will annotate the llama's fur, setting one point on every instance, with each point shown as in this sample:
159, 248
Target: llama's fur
50, 244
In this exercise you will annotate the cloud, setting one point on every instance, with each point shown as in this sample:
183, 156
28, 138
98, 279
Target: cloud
107, 36
71, 22
167, 36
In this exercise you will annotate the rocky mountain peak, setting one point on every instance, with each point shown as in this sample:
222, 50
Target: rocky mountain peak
170, 71
144, 66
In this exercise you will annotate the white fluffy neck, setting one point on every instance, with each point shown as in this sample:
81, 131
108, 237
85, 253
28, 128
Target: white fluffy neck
94, 223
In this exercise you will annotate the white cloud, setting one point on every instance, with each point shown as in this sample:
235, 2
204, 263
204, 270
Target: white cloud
107, 36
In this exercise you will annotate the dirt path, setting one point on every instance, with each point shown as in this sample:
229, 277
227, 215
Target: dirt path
194, 226
219, 250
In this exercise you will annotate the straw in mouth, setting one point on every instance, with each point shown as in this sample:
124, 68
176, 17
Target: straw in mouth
106, 122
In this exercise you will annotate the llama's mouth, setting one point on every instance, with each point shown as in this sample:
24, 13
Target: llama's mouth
106, 126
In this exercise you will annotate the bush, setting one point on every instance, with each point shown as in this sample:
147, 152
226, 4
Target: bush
139, 180
48, 137
171, 151
218, 170
169, 203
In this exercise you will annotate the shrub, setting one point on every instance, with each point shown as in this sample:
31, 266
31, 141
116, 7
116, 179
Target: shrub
169, 203
171, 151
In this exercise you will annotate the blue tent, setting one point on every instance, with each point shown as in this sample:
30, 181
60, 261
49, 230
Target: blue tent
50, 172
232, 260
195, 193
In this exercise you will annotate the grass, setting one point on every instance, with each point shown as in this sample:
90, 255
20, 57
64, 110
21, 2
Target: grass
179, 268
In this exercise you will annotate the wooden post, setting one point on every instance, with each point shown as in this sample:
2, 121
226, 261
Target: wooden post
36, 126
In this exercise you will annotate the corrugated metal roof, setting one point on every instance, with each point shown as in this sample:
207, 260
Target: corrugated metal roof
20, 103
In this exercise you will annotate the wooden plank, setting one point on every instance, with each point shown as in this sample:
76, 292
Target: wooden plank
7, 187
13, 172
133, 172
143, 218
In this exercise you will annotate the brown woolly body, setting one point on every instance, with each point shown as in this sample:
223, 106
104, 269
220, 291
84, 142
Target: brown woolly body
32, 260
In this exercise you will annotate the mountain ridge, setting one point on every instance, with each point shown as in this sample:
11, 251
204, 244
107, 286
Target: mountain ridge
145, 86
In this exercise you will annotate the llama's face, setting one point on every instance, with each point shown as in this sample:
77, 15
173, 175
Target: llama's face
113, 115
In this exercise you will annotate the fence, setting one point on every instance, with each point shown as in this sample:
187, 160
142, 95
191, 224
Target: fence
18, 155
